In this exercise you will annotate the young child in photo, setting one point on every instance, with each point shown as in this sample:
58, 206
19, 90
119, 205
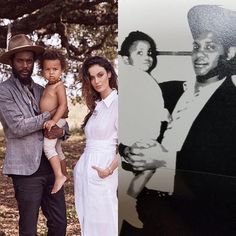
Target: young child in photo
139, 52
54, 98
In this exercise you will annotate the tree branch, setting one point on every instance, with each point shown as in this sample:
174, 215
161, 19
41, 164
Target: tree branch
12, 9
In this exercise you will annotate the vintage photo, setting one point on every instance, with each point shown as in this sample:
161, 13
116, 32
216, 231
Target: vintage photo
177, 89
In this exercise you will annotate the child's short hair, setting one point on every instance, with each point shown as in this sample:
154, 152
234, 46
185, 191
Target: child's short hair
52, 54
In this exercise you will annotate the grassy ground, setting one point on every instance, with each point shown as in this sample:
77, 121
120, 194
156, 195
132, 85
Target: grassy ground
8, 209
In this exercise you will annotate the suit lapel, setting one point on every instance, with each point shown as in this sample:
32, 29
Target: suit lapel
214, 116
20, 92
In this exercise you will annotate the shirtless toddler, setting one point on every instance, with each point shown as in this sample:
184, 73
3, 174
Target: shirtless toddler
54, 98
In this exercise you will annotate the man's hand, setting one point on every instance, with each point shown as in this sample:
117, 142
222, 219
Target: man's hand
145, 143
54, 133
146, 156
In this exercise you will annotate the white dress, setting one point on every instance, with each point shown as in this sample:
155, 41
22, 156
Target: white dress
95, 198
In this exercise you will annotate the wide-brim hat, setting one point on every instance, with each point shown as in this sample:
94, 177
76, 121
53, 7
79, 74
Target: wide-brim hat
19, 43
216, 19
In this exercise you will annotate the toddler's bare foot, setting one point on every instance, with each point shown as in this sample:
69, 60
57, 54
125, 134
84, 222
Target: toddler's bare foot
59, 181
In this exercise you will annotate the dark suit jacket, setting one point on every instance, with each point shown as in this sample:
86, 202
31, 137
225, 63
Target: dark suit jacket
206, 164
204, 199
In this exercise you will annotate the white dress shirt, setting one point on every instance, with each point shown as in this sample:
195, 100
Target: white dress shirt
187, 109
104, 115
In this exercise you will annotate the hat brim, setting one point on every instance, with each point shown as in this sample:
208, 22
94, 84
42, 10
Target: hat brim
5, 58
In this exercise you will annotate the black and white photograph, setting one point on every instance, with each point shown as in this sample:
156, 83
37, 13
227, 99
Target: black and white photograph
58, 118
177, 95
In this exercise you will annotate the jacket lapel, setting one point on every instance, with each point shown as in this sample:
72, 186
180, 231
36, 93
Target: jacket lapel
21, 92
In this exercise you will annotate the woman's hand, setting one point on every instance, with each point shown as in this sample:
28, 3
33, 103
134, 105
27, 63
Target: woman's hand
102, 173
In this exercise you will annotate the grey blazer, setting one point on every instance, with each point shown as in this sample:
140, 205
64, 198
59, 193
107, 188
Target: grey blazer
22, 128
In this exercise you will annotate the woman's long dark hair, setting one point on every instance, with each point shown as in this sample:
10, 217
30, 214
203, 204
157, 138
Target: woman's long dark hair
139, 36
88, 92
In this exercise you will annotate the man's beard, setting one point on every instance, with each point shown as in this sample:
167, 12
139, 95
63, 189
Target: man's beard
24, 80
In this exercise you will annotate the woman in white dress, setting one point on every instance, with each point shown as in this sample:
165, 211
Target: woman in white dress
95, 174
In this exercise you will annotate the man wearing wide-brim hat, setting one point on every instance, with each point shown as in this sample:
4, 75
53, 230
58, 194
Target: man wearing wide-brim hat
201, 138
25, 161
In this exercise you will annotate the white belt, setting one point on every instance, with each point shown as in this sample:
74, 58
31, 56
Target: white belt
100, 145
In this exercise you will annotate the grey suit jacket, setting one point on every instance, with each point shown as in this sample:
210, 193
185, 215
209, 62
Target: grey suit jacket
22, 128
